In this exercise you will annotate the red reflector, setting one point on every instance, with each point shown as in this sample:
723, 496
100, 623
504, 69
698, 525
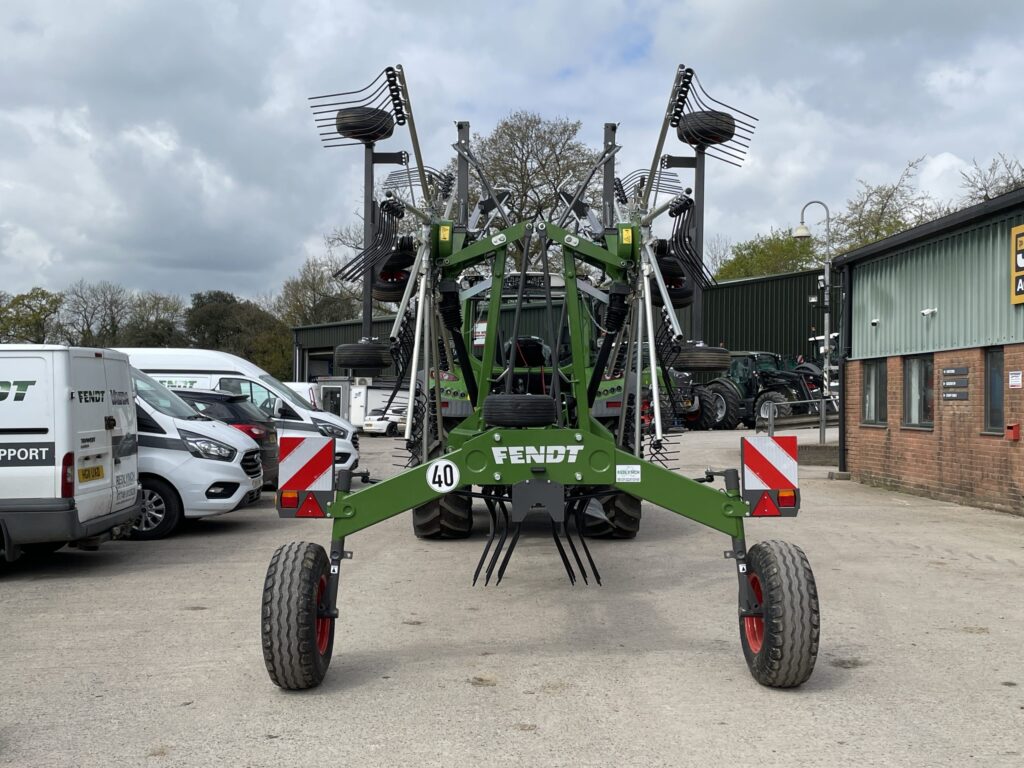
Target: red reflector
288, 500
310, 508
766, 507
787, 498
445, 403
67, 475
254, 431
614, 403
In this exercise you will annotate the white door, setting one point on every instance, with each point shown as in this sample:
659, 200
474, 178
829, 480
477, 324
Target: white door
29, 466
91, 428
124, 439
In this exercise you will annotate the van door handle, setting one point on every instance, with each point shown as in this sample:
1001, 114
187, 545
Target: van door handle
109, 422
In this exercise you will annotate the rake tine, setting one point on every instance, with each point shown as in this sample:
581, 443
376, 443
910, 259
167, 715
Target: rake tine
561, 553
508, 553
501, 543
583, 542
568, 537
490, 538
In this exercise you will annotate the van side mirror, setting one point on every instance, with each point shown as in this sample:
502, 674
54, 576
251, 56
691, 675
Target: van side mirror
278, 408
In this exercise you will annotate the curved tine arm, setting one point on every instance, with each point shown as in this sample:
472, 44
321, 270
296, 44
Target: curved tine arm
349, 93
464, 151
607, 155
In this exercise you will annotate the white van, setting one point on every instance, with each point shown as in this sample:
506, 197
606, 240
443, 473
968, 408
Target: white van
189, 464
68, 448
207, 369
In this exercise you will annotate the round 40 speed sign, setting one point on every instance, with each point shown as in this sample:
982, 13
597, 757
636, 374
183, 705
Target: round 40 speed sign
443, 476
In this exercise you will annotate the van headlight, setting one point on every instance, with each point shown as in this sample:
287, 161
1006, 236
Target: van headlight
330, 430
206, 448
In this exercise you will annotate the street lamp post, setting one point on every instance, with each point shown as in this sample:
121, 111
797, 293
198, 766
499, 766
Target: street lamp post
801, 232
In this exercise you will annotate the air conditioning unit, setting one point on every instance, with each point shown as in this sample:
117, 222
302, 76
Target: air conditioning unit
364, 381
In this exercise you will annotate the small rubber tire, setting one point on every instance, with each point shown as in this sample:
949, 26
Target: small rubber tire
671, 267
520, 411
447, 517
622, 514
782, 406
161, 511
706, 127
365, 124
781, 646
362, 355
702, 359
297, 641
680, 296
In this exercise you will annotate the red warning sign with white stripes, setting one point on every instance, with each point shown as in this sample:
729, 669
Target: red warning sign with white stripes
771, 484
306, 463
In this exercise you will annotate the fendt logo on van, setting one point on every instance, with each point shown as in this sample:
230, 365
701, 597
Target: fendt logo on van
539, 454
92, 395
19, 388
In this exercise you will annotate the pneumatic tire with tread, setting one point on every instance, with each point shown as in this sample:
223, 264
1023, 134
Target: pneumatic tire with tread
362, 355
622, 518
781, 647
447, 517
702, 359
297, 643
782, 406
519, 411
726, 401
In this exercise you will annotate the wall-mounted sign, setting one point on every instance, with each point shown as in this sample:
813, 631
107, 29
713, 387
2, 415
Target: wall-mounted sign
1017, 265
960, 394
961, 371
954, 383
1016, 379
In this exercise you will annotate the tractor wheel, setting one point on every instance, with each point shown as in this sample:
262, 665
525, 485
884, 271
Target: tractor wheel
702, 359
362, 355
781, 644
727, 405
762, 407
703, 417
297, 639
520, 411
621, 518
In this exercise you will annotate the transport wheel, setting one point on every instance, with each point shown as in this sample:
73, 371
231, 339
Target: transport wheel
365, 124
763, 407
520, 411
622, 513
447, 517
390, 285
780, 645
727, 405
680, 292
702, 359
362, 355
161, 511
297, 639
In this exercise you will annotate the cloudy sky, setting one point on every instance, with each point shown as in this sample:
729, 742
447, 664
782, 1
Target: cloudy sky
169, 146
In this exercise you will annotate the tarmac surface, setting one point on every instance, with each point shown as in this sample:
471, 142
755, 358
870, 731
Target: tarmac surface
148, 654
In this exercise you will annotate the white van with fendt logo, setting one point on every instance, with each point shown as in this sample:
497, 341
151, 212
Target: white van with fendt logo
189, 464
207, 369
68, 448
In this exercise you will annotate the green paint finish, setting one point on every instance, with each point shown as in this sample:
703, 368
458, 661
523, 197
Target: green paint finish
964, 274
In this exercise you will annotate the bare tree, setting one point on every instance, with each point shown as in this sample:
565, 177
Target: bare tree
717, 251
1003, 174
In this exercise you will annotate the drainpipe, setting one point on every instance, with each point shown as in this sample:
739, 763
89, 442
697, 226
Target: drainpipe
845, 348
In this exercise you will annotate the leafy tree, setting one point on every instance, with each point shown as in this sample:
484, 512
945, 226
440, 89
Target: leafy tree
771, 254
29, 318
155, 320
219, 320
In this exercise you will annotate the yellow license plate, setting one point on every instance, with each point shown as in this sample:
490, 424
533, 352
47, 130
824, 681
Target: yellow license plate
87, 474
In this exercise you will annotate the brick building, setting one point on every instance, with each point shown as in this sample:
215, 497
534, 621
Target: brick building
933, 336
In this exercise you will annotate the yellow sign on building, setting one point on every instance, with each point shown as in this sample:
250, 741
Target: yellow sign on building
1017, 265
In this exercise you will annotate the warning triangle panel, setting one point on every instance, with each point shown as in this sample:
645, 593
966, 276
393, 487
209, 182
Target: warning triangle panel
766, 507
310, 508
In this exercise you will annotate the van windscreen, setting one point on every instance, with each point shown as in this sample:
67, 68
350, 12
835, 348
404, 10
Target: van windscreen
287, 393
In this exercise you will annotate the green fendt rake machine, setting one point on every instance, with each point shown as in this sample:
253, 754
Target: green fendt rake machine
549, 426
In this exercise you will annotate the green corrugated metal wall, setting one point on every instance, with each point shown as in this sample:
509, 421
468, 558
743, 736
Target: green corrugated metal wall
964, 274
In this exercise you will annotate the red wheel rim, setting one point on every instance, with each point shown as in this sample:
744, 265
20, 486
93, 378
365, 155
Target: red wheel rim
753, 626
323, 624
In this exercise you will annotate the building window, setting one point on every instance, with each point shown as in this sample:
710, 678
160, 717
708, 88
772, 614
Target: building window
994, 419
875, 386
918, 391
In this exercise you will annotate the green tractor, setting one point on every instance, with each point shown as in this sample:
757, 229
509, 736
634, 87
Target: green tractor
549, 424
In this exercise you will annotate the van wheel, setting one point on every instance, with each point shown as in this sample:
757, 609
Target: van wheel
161, 511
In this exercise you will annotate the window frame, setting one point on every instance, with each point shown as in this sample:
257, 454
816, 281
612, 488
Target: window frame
908, 361
881, 399
987, 426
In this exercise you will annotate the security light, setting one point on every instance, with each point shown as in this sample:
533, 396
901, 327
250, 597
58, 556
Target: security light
928, 312
801, 232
